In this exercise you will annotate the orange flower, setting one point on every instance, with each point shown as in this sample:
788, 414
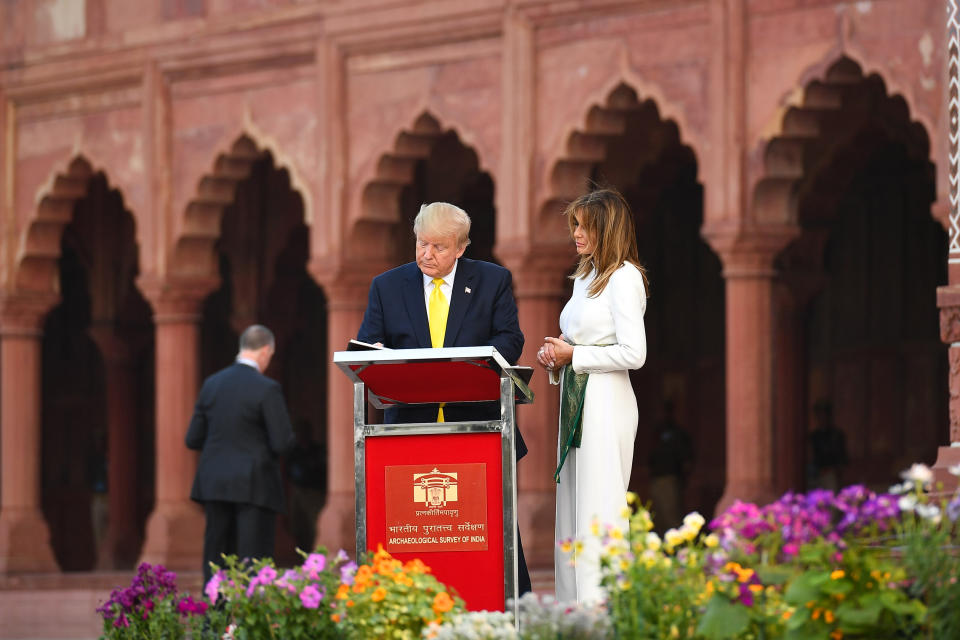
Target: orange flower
828, 616
349, 603
335, 617
342, 592
836, 634
416, 566
379, 594
442, 603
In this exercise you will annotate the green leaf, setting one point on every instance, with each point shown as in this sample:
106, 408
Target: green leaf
774, 574
805, 588
723, 619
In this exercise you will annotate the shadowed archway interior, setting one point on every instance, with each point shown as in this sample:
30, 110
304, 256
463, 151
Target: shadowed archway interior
262, 251
857, 301
97, 391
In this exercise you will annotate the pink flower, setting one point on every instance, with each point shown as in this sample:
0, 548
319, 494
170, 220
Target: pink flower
314, 564
213, 587
791, 548
310, 597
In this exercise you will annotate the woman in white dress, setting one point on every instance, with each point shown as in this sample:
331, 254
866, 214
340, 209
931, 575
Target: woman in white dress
602, 335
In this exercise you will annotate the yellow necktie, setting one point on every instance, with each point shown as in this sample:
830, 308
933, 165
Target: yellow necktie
437, 310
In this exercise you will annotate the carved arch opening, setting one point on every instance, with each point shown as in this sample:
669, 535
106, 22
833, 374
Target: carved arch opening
857, 322
97, 372
625, 143
248, 224
426, 164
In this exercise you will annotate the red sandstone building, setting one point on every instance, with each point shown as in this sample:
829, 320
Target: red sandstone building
173, 170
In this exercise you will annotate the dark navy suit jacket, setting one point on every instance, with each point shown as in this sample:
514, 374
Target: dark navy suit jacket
240, 425
482, 312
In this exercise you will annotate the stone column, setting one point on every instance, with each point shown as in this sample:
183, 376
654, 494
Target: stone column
948, 299
336, 527
24, 535
174, 533
539, 291
121, 544
748, 257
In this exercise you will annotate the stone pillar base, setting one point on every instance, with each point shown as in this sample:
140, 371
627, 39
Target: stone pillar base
25, 543
946, 457
536, 513
336, 526
759, 494
174, 537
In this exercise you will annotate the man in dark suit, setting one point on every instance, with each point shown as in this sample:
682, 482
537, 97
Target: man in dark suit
445, 300
241, 427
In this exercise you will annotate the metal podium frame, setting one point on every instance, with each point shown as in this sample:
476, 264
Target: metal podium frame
512, 390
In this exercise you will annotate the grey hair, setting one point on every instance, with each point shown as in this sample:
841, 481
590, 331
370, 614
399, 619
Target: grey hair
256, 336
444, 219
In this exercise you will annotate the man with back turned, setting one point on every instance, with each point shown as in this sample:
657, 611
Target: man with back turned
241, 428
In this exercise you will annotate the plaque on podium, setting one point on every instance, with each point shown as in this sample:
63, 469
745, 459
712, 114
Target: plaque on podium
444, 492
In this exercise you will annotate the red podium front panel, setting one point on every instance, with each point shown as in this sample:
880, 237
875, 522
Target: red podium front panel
439, 497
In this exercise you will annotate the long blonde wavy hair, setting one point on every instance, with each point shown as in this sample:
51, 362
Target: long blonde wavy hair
606, 218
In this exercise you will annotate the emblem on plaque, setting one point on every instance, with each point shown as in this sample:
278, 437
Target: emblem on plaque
435, 489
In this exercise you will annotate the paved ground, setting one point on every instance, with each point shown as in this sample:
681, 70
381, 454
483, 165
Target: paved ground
62, 607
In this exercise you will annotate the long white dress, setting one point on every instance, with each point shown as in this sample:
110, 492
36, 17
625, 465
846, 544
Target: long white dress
594, 479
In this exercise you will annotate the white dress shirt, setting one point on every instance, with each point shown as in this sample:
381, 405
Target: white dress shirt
446, 288
248, 362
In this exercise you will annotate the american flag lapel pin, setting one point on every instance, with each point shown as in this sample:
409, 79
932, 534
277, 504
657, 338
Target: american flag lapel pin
467, 290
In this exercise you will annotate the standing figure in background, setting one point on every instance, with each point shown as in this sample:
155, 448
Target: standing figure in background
241, 428
670, 462
828, 445
602, 339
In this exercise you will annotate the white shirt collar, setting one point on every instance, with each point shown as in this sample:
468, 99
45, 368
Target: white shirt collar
447, 279
248, 362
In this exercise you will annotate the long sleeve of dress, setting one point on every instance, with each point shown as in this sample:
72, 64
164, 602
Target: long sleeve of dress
627, 302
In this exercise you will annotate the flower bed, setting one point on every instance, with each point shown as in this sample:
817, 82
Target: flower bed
819, 565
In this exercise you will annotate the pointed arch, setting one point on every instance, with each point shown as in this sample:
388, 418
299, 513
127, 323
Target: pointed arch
586, 145
811, 132
36, 268
194, 251
380, 202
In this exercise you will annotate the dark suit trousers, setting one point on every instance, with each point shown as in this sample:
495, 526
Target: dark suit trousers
246, 530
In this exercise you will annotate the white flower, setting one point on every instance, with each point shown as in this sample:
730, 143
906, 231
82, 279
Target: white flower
653, 541
929, 512
918, 473
907, 503
694, 520
954, 470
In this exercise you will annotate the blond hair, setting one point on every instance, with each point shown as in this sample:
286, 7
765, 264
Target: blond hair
444, 219
608, 223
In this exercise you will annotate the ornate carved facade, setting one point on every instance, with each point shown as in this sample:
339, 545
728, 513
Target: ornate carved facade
172, 170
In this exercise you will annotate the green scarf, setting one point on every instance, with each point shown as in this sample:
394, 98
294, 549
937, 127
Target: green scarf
573, 388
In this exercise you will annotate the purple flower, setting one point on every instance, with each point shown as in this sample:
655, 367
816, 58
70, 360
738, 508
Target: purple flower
267, 575
347, 571
953, 509
311, 597
213, 587
314, 564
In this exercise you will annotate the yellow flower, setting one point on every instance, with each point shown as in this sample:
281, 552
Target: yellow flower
673, 538
566, 546
578, 547
616, 533
667, 562
379, 594
694, 521
836, 575
711, 541
743, 575
756, 588
631, 497
674, 632
653, 541
595, 527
